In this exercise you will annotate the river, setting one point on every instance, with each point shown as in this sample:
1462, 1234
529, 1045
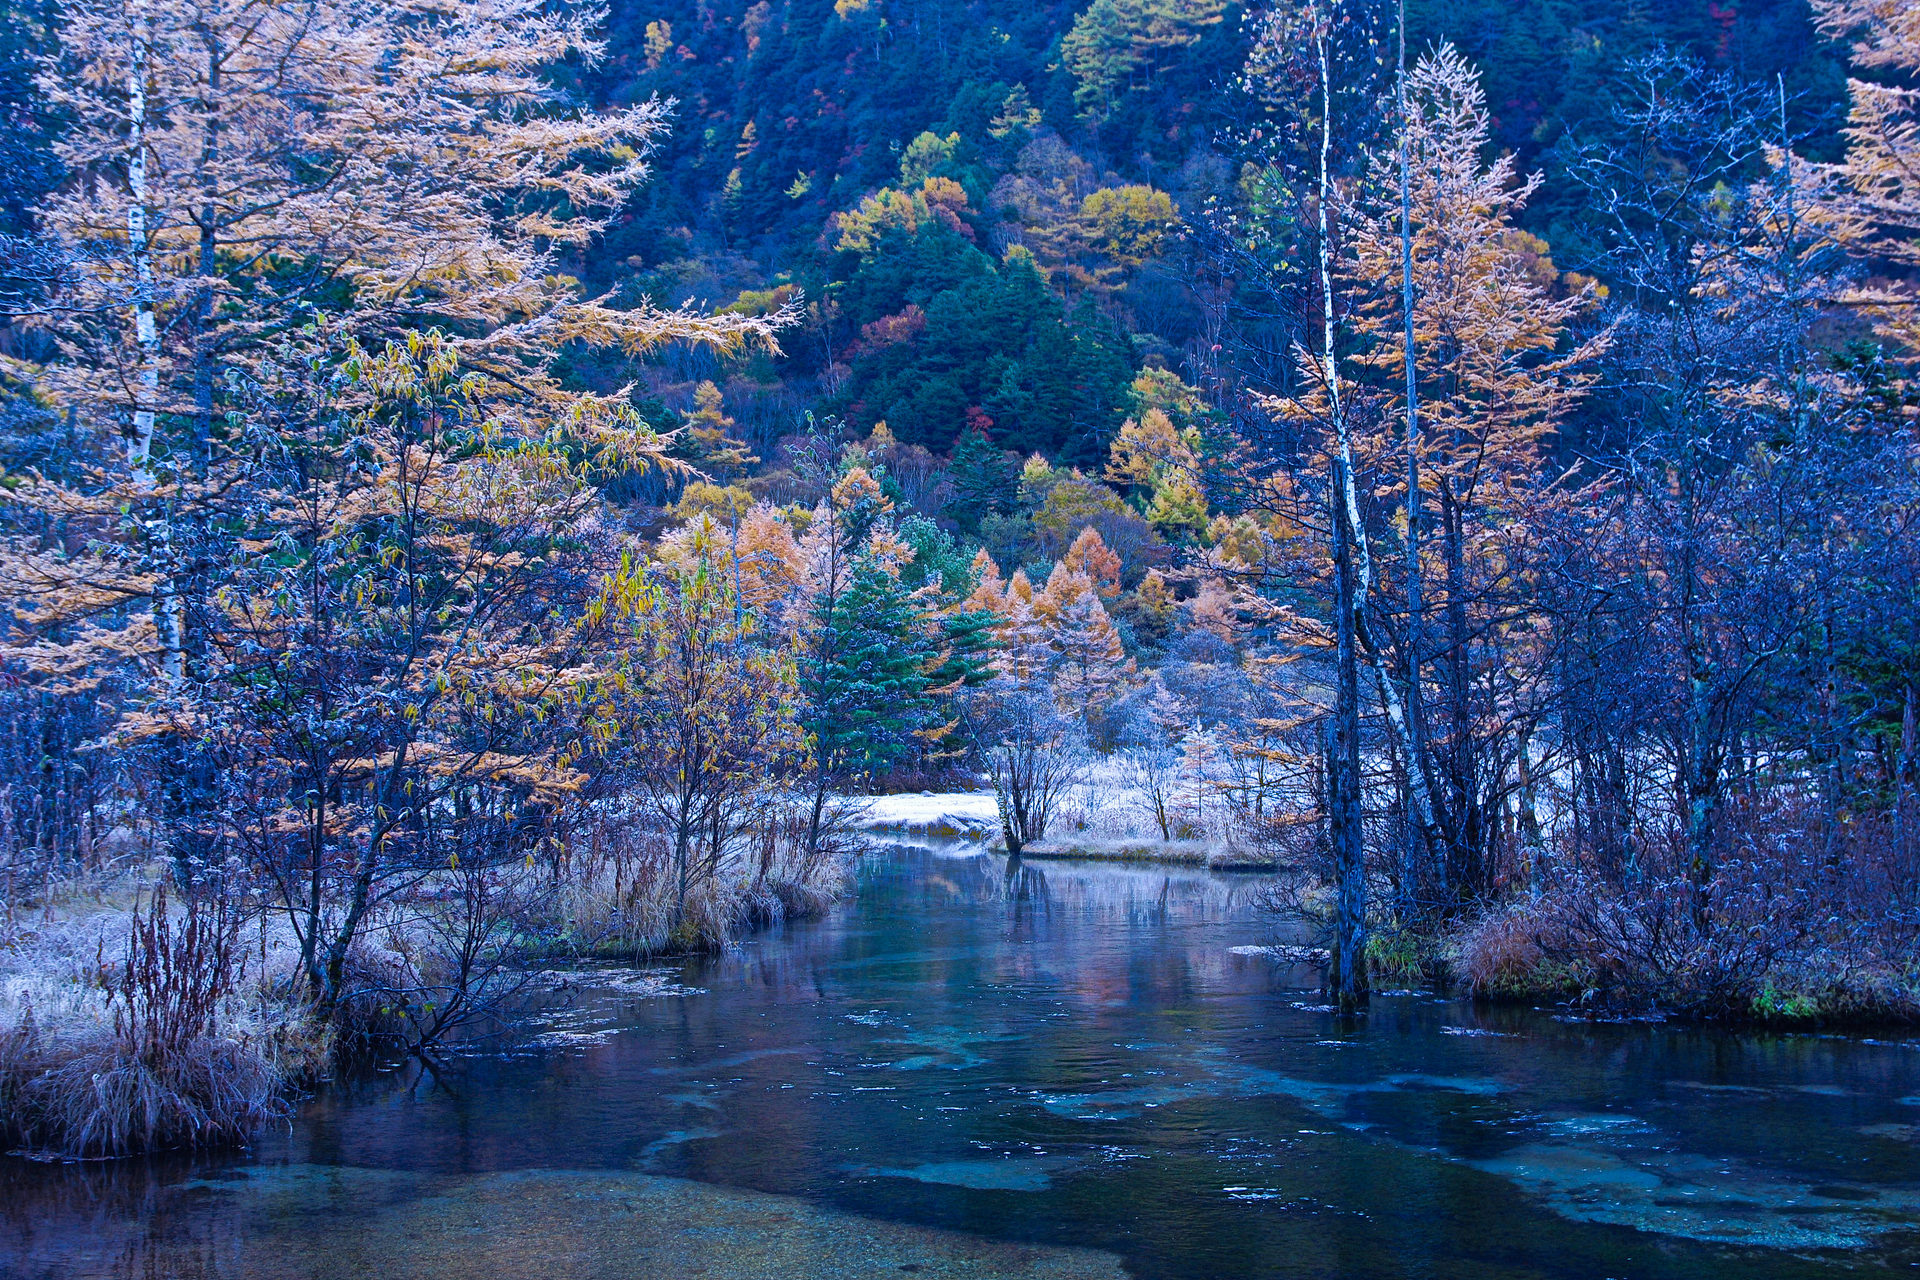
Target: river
1082, 1070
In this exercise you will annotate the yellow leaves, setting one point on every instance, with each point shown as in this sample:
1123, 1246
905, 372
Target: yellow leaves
1128, 224
989, 591
886, 551
1151, 454
859, 491
1017, 114
645, 328
1068, 617
1147, 448
925, 153
658, 42
1239, 543
1155, 596
1215, 609
764, 302
1886, 33
1871, 202
937, 199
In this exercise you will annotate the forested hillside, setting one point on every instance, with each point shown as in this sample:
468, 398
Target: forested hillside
1107, 141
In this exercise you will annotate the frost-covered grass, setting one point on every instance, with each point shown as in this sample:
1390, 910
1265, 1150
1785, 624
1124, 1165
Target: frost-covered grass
100, 1059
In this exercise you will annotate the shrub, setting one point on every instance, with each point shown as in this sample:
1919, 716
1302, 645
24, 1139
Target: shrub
162, 1048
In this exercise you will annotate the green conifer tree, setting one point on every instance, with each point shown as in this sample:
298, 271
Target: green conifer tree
983, 481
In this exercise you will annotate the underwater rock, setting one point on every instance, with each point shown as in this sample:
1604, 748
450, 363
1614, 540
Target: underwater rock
576, 1225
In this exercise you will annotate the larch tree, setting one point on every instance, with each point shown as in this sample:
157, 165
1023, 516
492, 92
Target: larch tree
318, 287
1089, 667
1024, 653
1880, 213
710, 442
241, 166
1091, 556
1495, 380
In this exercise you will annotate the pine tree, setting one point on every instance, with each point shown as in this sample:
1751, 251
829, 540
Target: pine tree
1114, 40
870, 700
873, 647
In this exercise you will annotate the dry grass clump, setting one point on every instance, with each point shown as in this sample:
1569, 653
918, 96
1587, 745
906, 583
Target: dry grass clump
618, 894
126, 1033
1500, 956
1659, 947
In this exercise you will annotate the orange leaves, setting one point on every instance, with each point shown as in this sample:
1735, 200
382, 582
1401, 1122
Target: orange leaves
1876, 209
1490, 310
892, 330
1090, 557
1060, 634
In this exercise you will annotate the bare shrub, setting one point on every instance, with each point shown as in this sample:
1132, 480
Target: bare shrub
452, 947
1031, 753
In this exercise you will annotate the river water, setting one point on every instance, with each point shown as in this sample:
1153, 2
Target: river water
1078, 1070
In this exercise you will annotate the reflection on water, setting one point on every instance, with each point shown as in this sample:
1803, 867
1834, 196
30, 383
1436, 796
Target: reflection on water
1036, 1069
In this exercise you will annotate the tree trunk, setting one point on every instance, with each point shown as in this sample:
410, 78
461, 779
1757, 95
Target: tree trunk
1470, 839
1701, 782
1416, 849
167, 619
1347, 977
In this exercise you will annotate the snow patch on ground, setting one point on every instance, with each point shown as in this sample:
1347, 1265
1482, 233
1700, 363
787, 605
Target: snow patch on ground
969, 815
924, 806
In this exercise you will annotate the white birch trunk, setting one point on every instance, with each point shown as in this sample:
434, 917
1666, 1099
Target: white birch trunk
167, 619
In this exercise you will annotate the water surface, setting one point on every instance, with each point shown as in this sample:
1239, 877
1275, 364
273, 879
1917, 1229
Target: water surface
1076, 1070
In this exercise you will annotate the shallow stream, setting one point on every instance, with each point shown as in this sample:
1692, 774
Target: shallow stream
1079, 1070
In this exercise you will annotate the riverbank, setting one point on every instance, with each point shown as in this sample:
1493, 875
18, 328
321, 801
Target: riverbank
131, 1024
1646, 955
1106, 836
